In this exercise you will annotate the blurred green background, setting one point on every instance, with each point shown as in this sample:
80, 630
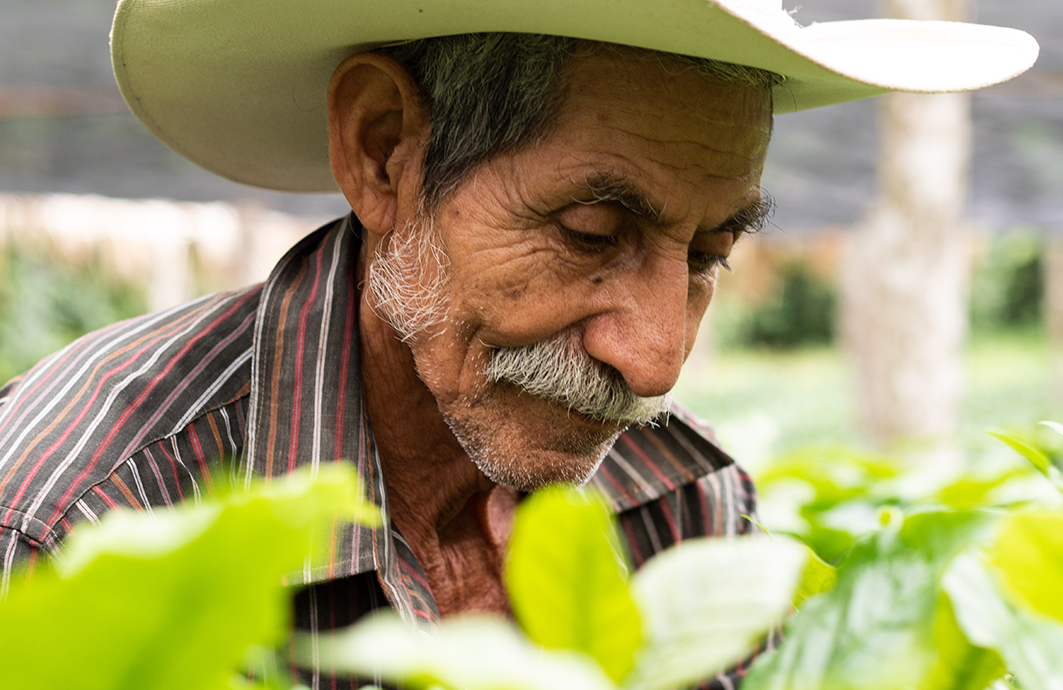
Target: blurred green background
773, 377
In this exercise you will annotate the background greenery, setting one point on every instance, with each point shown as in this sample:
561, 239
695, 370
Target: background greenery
777, 380
47, 301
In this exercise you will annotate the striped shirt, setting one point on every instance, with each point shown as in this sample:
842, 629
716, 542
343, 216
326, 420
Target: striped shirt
139, 415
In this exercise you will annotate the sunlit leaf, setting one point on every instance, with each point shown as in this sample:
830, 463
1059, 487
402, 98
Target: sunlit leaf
567, 582
875, 630
838, 484
1031, 453
960, 665
470, 653
707, 602
816, 578
1029, 646
1029, 555
971, 492
171, 601
1054, 426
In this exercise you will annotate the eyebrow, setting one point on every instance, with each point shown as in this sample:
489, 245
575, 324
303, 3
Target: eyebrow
606, 187
750, 218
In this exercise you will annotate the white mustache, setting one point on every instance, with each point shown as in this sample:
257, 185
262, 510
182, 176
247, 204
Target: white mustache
560, 370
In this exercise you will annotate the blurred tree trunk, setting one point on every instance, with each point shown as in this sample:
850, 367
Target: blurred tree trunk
1053, 311
905, 287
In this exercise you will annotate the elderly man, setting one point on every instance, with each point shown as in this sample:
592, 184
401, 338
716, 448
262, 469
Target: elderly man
537, 224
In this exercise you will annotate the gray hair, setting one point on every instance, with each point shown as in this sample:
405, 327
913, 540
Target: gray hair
495, 93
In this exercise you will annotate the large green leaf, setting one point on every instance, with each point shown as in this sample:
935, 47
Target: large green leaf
567, 580
1029, 554
170, 601
960, 665
881, 625
466, 653
816, 578
1032, 453
707, 602
1029, 645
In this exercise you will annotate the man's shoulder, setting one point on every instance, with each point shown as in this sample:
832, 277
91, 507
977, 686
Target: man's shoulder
650, 462
70, 422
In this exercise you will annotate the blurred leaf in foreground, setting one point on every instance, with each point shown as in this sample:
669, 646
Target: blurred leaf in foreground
1036, 457
1029, 554
816, 578
884, 625
707, 602
702, 606
466, 653
1029, 645
567, 580
172, 600
844, 492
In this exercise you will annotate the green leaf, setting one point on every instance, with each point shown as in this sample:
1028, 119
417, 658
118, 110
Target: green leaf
833, 486
816, 578
960, 664
567, 581
1054, 426
875, 630
1031, 453
1029, 555
972, 492
1030, 646
470, 653
836, 474
707, 602
170, 601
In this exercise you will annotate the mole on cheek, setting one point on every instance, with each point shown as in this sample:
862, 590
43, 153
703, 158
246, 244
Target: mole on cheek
597, 280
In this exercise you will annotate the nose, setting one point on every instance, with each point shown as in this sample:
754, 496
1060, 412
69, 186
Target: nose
644, 333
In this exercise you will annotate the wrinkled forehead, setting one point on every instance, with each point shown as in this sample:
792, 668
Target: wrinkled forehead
669, 99
687, 94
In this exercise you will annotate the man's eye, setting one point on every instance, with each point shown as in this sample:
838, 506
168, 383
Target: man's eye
703, 262
587, 241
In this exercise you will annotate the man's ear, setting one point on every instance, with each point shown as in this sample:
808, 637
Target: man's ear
378, 128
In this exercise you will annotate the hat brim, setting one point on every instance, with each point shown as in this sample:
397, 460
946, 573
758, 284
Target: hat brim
239, 86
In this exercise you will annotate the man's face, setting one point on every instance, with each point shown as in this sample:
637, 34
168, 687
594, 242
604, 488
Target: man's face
599, 248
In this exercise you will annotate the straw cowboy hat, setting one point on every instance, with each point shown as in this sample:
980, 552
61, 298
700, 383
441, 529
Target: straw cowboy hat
239, 86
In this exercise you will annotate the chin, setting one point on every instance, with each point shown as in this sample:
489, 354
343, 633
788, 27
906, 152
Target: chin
528, 451
528, 474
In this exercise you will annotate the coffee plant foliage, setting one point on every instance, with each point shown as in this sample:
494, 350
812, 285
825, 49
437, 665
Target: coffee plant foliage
883, 578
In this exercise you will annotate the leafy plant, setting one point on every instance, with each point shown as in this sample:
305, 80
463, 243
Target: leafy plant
948, 597
46, 302
951, 589
1007, 292
173, 601
800, 313
696, 609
